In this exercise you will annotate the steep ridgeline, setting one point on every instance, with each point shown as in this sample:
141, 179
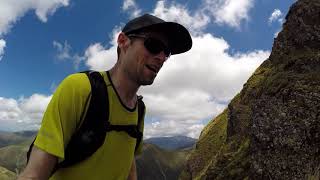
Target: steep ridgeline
271, 129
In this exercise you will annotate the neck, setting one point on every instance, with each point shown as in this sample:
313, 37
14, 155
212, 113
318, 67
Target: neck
126, 88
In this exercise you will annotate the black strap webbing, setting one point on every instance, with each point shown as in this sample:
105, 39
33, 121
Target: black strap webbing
91, 134
141, 112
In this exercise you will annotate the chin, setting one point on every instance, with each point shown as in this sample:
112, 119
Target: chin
146, 82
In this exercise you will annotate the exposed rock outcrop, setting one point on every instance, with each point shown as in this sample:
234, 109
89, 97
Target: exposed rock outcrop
271, 129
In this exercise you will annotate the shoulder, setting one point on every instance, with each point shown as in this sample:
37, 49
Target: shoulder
74, 83
77, 79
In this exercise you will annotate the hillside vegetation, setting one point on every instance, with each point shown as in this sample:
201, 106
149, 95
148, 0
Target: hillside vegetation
5, 174
270, 130
158, 164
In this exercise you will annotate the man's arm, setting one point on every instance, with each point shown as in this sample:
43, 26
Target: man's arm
133, 171
40, 165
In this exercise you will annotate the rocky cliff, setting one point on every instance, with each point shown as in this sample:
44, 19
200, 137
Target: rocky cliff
271, 129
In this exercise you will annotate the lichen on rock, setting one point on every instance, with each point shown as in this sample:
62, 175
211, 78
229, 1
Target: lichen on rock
272, 127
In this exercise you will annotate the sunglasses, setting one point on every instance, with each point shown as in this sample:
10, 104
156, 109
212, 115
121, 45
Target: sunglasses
153, 45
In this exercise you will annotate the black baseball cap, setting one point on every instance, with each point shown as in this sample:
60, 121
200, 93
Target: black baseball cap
178, 36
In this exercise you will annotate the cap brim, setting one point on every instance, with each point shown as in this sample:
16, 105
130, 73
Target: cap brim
179, 38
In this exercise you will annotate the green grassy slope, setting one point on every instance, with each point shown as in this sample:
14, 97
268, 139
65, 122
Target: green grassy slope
156, 163
13, 157
5, 174
270, 130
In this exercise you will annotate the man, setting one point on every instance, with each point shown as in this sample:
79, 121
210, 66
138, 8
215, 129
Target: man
144, 44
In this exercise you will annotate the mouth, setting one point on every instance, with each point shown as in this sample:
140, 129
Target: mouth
152, 68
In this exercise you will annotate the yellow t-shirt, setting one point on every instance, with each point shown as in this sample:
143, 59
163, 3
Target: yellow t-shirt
64, 115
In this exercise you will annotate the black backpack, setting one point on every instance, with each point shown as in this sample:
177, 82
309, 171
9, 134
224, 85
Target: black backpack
92, 132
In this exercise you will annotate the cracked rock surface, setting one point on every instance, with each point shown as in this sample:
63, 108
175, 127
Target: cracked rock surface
271, 129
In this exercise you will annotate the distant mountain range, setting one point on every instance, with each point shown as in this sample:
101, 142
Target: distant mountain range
172, 143
10, 138
162, 158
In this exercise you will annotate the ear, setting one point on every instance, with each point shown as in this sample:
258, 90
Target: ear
123, 41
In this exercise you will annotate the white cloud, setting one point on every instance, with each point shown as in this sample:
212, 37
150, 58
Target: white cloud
64, 53
229, 12
8, 109
2, 46
34, 106
196, 86
178, 13
12, 10
276, 33
101, 58
22, 114
131, 7
276, 15
63, 50
192, 87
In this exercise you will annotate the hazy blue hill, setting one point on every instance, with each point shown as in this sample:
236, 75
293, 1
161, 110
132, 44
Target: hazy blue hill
172, 143
26, 134
10, 138
154, 163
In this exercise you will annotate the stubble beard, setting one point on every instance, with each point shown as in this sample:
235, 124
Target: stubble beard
146, 82
141, 80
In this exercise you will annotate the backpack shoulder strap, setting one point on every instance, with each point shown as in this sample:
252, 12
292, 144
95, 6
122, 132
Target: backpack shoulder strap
141, 112
91, 134
92, 131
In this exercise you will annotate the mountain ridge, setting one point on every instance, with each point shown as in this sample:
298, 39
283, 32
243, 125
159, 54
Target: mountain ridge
270, 130
173, 142
167, 163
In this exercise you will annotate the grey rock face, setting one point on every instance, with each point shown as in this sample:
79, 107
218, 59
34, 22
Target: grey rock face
286, 115
301, 29
273, 124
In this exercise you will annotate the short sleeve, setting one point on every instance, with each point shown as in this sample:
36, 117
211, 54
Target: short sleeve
63, 114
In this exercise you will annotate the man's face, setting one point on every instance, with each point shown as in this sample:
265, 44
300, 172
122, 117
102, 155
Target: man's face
145, 56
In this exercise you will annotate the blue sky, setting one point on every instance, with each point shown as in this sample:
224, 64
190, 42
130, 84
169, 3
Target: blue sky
42, 42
